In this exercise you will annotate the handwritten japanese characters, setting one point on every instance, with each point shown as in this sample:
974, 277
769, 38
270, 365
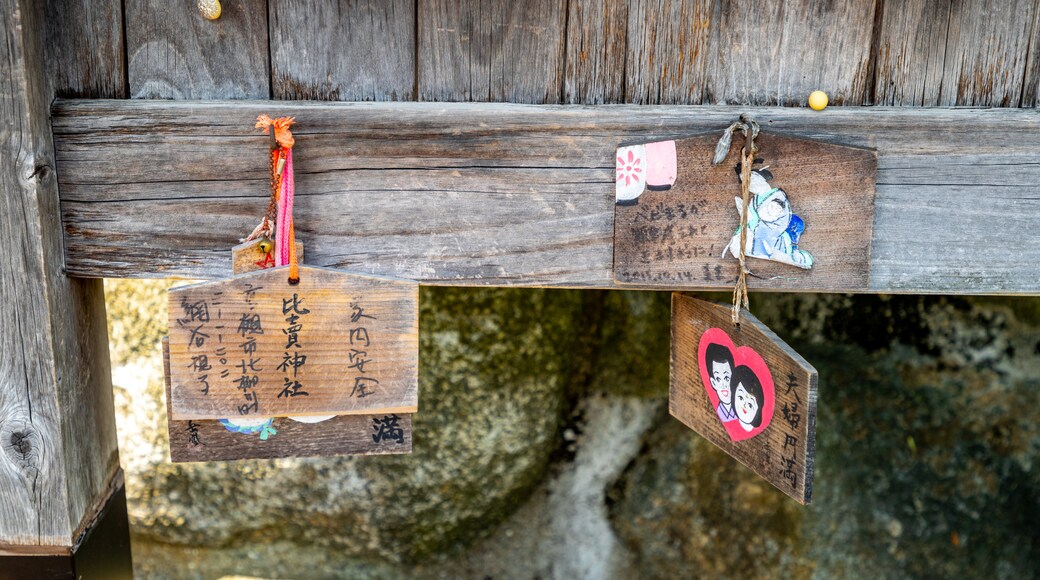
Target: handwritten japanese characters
256, 346
676, 234
273, 437
746, 391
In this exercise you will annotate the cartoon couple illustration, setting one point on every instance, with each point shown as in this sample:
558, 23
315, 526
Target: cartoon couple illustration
738, 389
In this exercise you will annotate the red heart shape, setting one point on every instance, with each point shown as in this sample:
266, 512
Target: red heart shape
742, 356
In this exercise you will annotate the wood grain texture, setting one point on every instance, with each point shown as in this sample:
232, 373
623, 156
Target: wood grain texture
512, 195
209, 440
1031, 83
85, 48
725, 51
175, 53
256, 346
57, 428
946, 52
491, 50
343, 50
597, 41
784, 451
677, 237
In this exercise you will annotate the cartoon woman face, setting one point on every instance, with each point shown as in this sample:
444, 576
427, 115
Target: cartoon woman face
747, 398
746, 406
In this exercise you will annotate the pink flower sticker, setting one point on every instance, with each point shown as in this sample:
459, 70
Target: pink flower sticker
631, 173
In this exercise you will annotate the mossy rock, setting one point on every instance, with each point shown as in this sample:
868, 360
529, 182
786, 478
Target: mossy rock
493, 370
928, 443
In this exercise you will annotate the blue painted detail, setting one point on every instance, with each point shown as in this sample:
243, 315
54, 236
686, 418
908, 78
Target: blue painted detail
796, 227
265, 429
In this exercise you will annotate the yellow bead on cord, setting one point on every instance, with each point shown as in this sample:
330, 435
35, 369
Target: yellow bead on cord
210, 9
818, 100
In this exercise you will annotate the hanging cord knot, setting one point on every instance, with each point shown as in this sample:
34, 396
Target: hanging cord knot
277, 222
749, 127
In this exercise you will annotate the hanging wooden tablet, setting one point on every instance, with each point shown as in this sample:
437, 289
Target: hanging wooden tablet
256, 345
812, 208
746, 391
291, 340
271, 437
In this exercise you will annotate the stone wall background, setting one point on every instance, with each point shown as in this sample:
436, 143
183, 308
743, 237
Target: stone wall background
543, 449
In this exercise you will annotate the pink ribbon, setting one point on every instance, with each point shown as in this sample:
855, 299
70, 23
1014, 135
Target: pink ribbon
284, 213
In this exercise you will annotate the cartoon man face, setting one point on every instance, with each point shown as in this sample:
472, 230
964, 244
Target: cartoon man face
721, 373
775, 208
746, 406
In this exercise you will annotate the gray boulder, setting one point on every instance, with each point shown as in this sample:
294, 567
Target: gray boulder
927, 453
492, 372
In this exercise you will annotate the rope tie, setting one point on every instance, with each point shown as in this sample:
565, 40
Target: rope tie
277, 223
749, 127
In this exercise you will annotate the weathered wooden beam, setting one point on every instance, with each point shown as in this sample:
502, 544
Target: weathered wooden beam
512, 195
59, 464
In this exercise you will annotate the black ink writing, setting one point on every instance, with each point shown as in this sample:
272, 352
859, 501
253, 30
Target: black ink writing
387, 429
193, 433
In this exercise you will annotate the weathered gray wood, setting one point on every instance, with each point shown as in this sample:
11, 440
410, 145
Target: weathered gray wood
503, 194
1031, 83
343, 50
726, 51
175, 53
597, 39
85, 51
491, 50
58, 452
945, 52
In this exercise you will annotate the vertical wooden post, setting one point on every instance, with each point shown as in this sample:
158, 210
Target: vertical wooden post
62, 505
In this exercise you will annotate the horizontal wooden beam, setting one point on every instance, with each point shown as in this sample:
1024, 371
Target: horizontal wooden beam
512, 195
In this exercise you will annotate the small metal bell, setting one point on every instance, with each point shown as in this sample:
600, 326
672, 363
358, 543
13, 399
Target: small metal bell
265, 246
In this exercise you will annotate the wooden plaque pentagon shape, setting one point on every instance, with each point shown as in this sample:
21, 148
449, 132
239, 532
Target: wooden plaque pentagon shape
222, 440
675, 213
746, 391
211, 440
255, 345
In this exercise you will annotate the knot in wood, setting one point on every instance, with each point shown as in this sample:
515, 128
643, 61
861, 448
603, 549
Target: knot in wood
22, 446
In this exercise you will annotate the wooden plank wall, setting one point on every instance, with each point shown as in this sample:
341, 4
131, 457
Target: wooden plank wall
886, 52
897, 52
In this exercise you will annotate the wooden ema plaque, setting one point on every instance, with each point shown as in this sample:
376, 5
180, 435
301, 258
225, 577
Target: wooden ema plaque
256, 346
267, 438
744, 390
675, 214
213, 440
